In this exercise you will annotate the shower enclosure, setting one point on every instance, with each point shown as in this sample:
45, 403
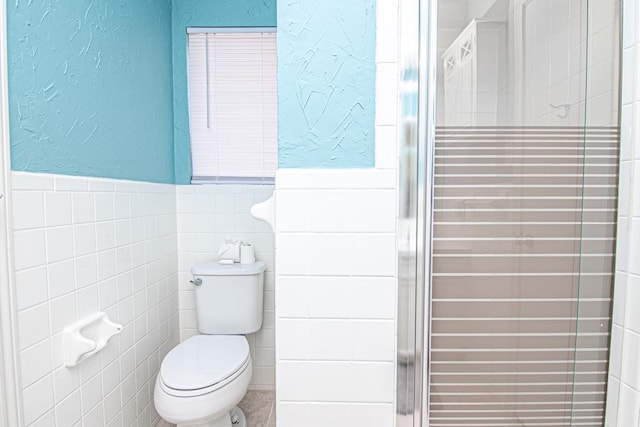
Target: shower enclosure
508, 180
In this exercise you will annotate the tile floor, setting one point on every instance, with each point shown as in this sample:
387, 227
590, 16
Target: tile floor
258, 406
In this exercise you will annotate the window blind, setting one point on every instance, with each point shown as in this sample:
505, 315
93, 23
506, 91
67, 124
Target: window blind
232, 104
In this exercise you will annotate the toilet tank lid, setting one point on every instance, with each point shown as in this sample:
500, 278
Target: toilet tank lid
214, 268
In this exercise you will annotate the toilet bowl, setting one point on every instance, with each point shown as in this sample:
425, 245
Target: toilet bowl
202, 380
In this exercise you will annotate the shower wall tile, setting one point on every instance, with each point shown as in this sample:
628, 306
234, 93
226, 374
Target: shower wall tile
335, 414
337, 211
75, 255
631, 359
206, 215
623, 402
629, 402
335, 299
632, 318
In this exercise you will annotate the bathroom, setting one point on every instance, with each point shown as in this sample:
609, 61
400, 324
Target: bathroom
103, 210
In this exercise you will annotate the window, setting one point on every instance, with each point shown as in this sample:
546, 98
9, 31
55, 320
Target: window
232, 104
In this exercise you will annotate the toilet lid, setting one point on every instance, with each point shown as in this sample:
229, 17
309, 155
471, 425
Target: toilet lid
204, 360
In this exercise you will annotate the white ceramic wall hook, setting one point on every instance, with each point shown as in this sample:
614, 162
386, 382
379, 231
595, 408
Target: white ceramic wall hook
266, 211
87, 337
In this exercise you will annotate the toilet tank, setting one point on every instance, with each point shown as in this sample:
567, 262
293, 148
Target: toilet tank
229, 299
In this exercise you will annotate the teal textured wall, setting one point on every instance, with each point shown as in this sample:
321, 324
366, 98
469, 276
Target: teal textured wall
204, 13
326, 83
90, 88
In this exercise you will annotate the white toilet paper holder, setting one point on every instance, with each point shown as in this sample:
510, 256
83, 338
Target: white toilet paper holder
87, 337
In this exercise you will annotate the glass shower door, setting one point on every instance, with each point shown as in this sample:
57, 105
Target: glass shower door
524, 191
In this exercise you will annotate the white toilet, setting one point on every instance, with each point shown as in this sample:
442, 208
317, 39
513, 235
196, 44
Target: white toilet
202, 379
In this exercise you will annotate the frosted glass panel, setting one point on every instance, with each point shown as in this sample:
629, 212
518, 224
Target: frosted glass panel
524, 199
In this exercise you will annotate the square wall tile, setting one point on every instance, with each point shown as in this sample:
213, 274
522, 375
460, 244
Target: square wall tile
615, 354
632, 298
63, 312
38, 399
328, 339
373, 211
28, 209
326, 254
35, 362
628, 406
69, 411
292, 413
31, 287
33, 325
372, 382
330, 381
292, 297
83, 208
59, 243
381, 298
57, 208
292, 378
29, 248
373, 340
613, 395
329, 297
630, 356
373, 255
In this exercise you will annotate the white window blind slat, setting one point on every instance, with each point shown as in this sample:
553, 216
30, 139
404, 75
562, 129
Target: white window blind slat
232, 104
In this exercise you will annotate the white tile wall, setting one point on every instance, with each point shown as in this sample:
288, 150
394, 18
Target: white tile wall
623, 400
207, 214
386, 84
335, 298
335, 275
85, 245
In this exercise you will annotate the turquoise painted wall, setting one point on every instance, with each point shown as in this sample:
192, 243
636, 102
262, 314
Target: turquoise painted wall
204, 13
90, 88
326, 83
99, 88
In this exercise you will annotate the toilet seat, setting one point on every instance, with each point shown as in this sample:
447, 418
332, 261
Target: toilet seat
204, 363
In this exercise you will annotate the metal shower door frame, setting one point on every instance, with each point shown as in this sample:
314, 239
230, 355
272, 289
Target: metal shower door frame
418, 54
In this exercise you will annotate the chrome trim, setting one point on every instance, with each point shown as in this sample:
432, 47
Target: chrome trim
407, 212
417, 137
426, 144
